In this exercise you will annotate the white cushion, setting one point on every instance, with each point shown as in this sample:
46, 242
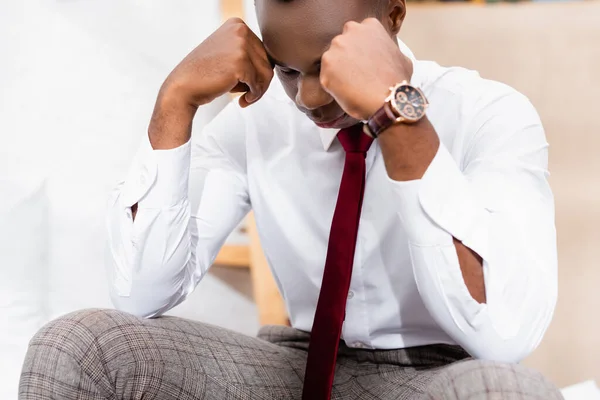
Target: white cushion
582, 391
23, 273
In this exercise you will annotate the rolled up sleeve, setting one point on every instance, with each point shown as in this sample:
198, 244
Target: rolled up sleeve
166, 172
157, 181
189, 200
496, 200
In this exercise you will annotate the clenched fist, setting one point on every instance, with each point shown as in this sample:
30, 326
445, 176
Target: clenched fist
232, 59
361, 65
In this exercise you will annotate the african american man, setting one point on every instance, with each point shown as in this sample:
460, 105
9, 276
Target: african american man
403, 207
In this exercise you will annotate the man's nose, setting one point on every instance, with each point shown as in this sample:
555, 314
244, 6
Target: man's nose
311, 94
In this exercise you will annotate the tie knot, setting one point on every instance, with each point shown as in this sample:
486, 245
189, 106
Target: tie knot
354, 140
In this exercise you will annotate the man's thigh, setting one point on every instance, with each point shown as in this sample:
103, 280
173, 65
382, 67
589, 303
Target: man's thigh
397, 374
100, 354
489, 380
436, 372
379, 382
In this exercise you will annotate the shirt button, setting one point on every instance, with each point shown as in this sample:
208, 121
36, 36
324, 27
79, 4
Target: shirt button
350, 295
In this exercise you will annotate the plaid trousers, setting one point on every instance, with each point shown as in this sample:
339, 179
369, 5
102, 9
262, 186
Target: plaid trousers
106, 354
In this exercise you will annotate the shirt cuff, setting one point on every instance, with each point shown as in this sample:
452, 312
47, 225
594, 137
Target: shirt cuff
158, 178
441, 205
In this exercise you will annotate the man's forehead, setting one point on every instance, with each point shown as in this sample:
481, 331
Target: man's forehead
298, 32
317, 19
313, 12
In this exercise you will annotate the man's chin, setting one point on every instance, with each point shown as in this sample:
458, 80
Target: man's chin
344, 121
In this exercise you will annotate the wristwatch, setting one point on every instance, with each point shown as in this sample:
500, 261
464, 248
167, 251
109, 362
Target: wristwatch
405, 104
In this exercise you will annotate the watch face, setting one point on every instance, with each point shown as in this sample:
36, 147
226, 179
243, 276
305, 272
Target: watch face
410, 103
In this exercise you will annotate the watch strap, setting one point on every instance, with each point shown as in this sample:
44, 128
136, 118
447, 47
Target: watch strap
380, 121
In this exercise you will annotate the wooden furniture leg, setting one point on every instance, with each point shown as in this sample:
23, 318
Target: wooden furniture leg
270, 304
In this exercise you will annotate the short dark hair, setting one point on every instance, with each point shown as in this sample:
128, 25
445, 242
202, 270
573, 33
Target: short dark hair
377, 5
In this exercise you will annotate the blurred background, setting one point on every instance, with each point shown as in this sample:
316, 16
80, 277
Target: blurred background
78, 80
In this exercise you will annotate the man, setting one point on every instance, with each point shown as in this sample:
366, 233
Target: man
416, 252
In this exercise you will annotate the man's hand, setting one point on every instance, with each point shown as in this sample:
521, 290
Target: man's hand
232, 59
361, 65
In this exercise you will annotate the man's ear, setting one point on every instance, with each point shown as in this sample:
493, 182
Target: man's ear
395, 15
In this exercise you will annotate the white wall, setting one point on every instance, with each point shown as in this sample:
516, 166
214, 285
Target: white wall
78, 81
250, 15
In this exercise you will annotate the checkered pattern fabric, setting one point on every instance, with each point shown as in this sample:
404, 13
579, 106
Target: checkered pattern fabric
105, 354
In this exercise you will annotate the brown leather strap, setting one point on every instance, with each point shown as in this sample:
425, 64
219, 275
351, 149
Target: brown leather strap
380, 121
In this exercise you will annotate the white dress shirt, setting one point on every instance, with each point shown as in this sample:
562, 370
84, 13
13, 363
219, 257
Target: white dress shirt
487, 187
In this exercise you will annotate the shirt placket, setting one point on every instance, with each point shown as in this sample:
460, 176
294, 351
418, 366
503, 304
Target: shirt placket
356, 325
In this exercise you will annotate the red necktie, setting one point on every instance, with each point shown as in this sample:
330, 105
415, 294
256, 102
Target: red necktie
331, 307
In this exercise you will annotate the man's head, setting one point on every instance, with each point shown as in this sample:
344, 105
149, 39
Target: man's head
296, 33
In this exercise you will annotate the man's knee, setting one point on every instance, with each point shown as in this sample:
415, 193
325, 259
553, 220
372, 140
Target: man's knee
67, 354
487, 380
76, 334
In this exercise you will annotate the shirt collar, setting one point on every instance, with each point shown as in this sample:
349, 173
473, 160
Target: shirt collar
328, 135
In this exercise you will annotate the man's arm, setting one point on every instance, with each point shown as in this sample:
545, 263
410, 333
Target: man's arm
163, 241
500, 208
232, 59
481, 237
407, 151
157, 259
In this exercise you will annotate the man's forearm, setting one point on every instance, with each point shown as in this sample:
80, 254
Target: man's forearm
171, 122
408, 149
170, 126
407, 152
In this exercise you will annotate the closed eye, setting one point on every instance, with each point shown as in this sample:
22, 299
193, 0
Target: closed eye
287, 71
